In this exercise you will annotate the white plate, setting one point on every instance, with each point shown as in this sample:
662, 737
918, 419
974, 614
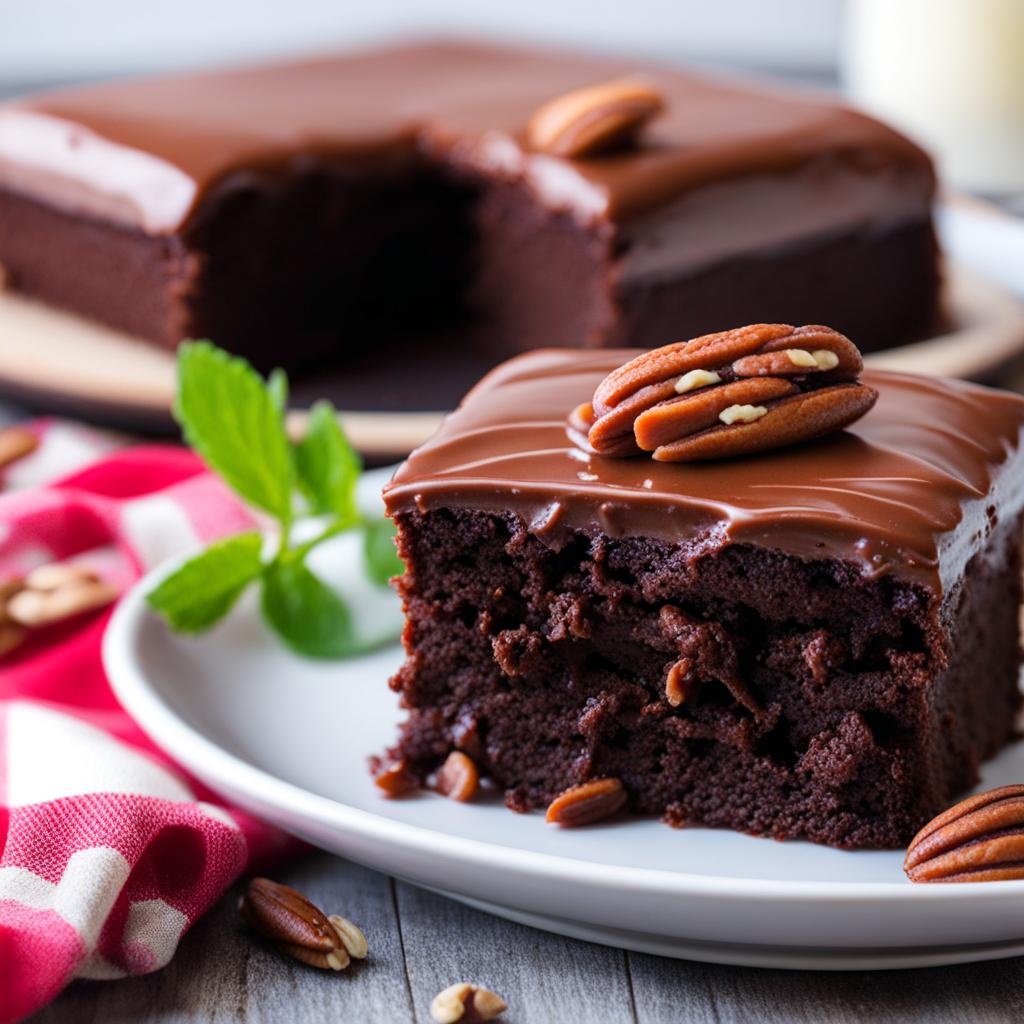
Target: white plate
288, 739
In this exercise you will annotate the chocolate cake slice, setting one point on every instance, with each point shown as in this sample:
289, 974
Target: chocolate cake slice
315, 209
819, 641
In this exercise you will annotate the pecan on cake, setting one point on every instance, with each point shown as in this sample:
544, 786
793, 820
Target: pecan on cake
700, 399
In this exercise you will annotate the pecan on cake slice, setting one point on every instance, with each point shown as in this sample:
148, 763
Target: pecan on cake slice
733, 393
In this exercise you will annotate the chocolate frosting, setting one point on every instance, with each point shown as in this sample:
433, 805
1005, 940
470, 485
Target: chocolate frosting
911, 489
148, 152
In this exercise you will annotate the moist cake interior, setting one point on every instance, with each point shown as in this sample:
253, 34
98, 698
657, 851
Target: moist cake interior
829, 707
375, 260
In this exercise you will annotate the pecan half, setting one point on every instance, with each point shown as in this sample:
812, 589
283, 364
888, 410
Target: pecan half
55, 592
593, 119
980, 839
298, 928
733, 393
586, 803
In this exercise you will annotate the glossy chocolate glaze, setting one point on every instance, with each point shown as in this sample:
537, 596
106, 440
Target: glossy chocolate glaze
147, 153
911, 489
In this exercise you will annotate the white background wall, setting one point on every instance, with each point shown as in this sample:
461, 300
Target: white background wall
44, 40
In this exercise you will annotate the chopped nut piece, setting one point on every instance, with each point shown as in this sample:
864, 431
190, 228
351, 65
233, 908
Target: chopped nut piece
396, 779
825, 359
742, 413
458, 777
466, 731
675, 690
586, 803
351, 936
696, 379
469, 1004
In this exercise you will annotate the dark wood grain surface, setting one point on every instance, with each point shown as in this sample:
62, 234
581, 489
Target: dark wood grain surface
421, 943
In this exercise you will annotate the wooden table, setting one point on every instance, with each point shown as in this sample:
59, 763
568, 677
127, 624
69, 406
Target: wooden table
421, 943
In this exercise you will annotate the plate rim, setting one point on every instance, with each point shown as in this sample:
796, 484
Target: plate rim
740, 954
159, 721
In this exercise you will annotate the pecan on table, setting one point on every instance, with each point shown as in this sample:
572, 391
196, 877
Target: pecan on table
300, 929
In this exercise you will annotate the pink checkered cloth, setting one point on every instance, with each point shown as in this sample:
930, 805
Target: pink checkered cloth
108, 851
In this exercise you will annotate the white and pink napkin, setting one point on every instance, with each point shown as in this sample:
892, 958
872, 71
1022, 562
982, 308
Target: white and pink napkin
108, 851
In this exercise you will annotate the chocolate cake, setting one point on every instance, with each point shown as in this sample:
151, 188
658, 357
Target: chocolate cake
819, 641
322, 208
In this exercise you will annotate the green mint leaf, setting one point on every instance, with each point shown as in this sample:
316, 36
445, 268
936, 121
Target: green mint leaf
308, 616
277, 386
379, 554
328, 466
232, 420
203, 590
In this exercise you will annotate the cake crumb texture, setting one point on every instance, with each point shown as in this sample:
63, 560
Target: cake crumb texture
817, 702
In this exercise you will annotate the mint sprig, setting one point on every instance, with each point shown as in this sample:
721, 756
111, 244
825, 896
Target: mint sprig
206, 587
328, 466
308, 616
234, 420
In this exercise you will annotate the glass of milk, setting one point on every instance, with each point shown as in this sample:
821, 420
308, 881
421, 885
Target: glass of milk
950, 73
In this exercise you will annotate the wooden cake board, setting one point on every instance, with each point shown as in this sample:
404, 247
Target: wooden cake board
57, 362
